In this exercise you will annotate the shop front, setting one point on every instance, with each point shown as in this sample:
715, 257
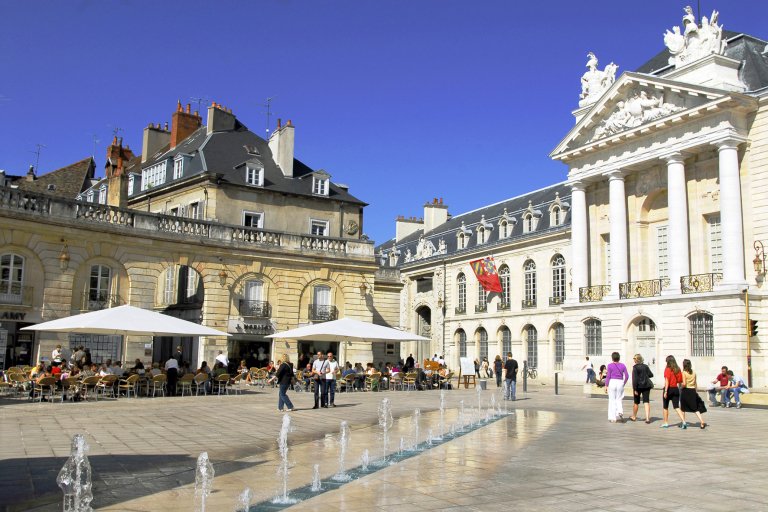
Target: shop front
16, 346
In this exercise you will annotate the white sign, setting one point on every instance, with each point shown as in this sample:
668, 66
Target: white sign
467, 366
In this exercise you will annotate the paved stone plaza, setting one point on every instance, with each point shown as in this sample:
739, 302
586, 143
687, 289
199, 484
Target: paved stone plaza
551, 453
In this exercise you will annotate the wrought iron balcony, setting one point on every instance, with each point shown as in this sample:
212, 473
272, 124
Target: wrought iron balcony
322, 312
94, 301
639, 289
503, 306
593, 293
255, 308
15, 294
697, 283
481, 308
461, 311
529, 303
557, 301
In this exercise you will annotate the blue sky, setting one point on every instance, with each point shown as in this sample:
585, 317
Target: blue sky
403, 100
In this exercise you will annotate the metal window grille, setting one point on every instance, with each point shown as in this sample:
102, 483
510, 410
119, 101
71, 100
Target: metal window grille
702, 335
593, 336
533, 347
559, 346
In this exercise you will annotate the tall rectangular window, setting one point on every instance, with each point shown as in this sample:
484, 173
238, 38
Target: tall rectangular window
715, 243
99, 284
702, 335
593, 337
253, 290
178, 168
559, 346
482, 298
170, 285
254, 176
506, 342
662, 257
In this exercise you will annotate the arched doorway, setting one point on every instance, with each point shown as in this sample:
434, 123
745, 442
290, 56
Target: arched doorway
645, 341
424, 328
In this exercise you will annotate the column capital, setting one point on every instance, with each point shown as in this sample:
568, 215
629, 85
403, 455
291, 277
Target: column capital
616, 174
578, 185
676, 157
731, 142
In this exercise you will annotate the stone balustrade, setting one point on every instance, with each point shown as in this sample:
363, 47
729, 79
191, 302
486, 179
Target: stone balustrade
69, 212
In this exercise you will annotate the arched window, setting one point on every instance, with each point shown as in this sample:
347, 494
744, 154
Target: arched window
506, 341
482, 299
482, 338
555, 216
461, 241
504, 279
702, 335
559, 332
11, 278
529, 270
533, 346
503, 229
528, 223
593, 337
481, 234
558, 280
461, 339
461, 294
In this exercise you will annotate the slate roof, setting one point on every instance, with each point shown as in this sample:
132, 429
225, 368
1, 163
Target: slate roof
225, 153
540, 200
66, 182
745, 48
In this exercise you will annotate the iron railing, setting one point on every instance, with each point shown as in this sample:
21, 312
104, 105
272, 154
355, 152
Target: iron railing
639, 289
461, 311
503, 306
14, 294
593, 293
95, 301
322, 312
529, 303
697, 283
557, 301
481, 308
255, 308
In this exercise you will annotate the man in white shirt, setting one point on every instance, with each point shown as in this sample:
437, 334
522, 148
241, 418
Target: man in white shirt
222, 359
172, 375
318, 374
332, 367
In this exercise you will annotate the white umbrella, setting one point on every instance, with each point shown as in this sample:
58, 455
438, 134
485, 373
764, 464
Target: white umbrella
347, 329
126, 321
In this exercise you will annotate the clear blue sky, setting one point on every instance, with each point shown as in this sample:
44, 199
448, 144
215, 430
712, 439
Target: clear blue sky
403, 100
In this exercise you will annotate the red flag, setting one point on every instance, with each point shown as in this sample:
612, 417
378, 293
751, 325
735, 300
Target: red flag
485, 271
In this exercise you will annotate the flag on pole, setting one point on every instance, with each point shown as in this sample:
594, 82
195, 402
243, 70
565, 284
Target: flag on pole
485, 271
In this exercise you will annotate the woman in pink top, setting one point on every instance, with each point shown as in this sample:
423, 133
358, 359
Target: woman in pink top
616, 378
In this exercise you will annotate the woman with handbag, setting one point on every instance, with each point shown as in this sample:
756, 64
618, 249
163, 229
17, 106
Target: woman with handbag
690, 401
641, 388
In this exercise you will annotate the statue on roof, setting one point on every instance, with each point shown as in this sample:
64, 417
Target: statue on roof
695, 41
595, 82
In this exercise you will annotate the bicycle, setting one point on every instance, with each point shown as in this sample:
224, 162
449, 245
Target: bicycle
531, 373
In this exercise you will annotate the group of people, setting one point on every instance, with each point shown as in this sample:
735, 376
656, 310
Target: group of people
679, 390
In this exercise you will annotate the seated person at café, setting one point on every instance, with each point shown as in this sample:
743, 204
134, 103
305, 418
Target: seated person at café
103, 371
117, 369
155, 371
138, 367
219, 369
38, 370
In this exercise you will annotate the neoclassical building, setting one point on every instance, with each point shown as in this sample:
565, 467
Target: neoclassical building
662, 244
211, 223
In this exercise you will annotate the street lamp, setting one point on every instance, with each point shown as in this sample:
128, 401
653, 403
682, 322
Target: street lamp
64, 258
759, 261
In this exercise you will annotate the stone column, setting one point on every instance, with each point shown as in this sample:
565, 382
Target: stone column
618, 216
579, 241
730, 213
677, 231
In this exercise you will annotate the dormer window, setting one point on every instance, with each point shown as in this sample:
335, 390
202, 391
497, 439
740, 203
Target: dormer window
254, 175
462, 241
178, 168
131, 183
481, 235
320, 185
503, 229
103, 194
89, 196
506, 225
530, 219
483, 231
528, 223
555, 220
462, 237
557, 211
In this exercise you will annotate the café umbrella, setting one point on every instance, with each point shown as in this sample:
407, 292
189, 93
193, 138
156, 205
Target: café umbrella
347, 329
126, 321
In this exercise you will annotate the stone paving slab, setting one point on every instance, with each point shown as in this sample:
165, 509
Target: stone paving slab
553, 453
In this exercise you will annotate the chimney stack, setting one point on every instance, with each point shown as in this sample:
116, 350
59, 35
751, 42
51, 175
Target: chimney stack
220, 119
406, 226
31, 173
435, 214
281, 143
155, 138
117, 157
183, 124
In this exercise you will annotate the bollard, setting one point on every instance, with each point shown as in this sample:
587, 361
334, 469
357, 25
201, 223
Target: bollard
556, 383
525, 376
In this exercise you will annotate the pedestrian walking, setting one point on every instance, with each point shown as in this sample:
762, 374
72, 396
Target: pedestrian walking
690, 401
673, 381
510, 377
589, 367
498, 365
641, 388
318, 375
283, 377
616, 378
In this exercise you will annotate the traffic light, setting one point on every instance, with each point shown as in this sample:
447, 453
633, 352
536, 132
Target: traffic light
753, 327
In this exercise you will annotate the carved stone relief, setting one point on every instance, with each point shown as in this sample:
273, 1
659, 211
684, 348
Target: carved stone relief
638, 108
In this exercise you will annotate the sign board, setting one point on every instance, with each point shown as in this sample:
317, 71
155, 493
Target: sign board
467, 366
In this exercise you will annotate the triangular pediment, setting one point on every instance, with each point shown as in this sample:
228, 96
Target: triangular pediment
633, 103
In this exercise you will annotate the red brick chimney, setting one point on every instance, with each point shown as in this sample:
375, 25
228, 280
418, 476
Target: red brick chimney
183, 124
117, 157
